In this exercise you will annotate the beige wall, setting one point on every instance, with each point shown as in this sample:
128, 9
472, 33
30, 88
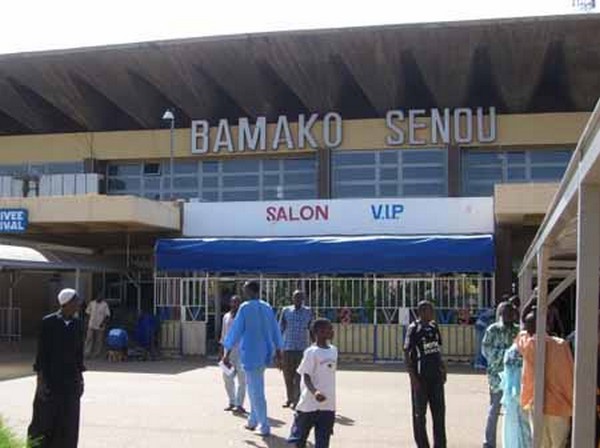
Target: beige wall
513, 130
98, 210
514, 203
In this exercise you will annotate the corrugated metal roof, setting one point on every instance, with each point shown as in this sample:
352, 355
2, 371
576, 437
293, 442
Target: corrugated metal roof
549, 64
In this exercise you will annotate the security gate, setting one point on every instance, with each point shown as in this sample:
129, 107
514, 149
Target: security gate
370, 314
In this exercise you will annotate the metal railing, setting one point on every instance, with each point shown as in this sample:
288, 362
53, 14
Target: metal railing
370, 313
10, 324
182, 298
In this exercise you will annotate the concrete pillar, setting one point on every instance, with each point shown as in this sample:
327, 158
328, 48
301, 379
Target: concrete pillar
454, 171
540, 346
324, 173
504, 258
586, 321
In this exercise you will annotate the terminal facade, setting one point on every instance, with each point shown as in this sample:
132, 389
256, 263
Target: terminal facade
290, 123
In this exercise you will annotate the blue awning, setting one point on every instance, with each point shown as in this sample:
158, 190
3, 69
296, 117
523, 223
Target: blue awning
329, 255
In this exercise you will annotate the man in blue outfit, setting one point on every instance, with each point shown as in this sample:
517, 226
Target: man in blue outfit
257, 332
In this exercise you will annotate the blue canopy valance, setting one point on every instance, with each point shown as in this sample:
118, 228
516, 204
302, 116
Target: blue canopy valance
329, 255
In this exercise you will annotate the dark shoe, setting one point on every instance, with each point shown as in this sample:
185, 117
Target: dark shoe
288, 404
250, 428
240, 410
229, 408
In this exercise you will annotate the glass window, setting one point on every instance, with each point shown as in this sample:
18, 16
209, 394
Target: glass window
388, 190
299, 194
271, 195
185, 183
241, 180
298, 164
300, 178
152, 169
210, 167
214, 180
482, 169
355, 191
353, 158
124, 169
240, 166
422, 157
181, 167
424, 189
64, 168
210, 182
516, 174
416, 172
350, 174
547, 173
271, 180
152, 183
212, 196
12, 170
515, 158
492, 173
388, 172
249, 195
130, 184
551, 157
389, 157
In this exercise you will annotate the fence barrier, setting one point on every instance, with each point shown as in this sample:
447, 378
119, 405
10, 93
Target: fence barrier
370, 314
10, 324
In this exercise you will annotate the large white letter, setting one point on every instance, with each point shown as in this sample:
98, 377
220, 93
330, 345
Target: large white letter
305, 131
440, 126
200, 130
327, 131
398, 139
249, 139
283, 126
413, 125
481, 136
468, 137
223, 138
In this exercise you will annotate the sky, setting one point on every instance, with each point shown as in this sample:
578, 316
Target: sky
33, 25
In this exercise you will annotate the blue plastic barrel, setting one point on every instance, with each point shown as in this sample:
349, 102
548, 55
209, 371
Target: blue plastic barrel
117, 339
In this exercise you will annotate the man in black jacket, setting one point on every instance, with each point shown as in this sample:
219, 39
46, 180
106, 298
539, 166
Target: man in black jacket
59, 367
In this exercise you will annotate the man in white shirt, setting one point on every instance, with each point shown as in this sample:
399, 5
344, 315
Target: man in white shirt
316, 408
236, 398
98, 313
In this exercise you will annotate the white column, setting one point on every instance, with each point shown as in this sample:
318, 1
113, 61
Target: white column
525, 285
77, 280
540, 346
586, 323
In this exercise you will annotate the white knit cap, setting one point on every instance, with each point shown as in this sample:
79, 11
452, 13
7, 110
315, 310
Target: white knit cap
66, 295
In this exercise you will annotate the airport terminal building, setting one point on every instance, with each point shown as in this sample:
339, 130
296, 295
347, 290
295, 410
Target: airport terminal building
406, 162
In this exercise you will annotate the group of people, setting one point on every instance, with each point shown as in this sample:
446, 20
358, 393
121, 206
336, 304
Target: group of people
509, 349
252, 338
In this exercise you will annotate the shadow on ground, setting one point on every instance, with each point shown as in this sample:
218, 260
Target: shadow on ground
156, 367
273, 441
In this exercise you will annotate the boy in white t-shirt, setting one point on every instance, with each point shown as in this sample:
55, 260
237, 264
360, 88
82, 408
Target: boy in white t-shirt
316, 408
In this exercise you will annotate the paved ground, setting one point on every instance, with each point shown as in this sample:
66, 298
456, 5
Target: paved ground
179, 404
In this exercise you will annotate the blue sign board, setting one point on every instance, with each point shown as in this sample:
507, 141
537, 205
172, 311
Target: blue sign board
13, 220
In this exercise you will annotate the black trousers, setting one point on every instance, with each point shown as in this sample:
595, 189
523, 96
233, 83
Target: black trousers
429, 393
55, 422
291, 361
304, 422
